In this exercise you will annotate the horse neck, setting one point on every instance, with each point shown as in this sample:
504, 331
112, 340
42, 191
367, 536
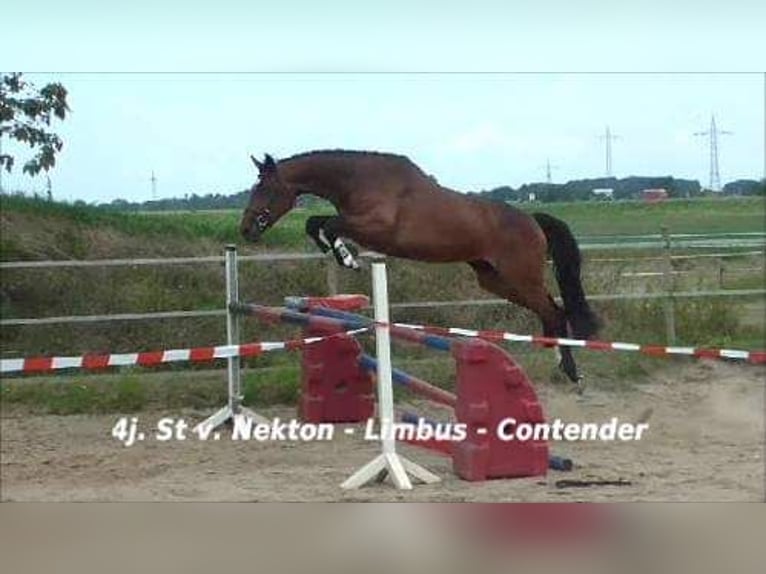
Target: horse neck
313, 177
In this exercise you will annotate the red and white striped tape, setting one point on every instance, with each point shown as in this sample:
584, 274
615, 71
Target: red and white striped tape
205, 354
756, 357
152, 358
354, 302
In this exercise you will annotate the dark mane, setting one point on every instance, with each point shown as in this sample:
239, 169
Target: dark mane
353, 153
345, 152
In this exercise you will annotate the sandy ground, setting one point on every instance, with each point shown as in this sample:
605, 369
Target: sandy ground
705, 443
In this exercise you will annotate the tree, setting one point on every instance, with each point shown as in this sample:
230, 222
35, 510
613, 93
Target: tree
26, 114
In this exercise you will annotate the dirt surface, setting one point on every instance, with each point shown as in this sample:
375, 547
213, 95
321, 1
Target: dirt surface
705, 443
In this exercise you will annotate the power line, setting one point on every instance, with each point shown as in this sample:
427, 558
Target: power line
712, 135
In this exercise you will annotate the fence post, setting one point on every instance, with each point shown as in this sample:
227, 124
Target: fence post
720, 272
670, 319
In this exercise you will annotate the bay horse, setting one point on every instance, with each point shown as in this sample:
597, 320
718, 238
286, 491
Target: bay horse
386, 203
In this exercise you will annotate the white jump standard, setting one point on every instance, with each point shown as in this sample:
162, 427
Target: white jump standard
389, 461
234, 406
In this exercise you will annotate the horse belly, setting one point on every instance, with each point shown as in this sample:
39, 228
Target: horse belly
443, 251
431, 243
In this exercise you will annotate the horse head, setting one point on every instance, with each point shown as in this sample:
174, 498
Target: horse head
270, 199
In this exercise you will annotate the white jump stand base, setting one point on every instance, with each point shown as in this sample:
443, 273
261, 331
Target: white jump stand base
390, 463
234, 406
226, 413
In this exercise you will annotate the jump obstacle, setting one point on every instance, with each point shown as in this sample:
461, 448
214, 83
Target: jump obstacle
327, 307
330, 342
336, 387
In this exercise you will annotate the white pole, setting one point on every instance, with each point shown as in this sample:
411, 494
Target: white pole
383, 349
233, 364
232, 327
388, 462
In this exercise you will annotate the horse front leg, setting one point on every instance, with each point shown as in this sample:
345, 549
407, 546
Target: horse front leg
326, 231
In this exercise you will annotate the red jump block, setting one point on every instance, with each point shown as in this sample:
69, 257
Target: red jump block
333, 387
491, 388
339, 302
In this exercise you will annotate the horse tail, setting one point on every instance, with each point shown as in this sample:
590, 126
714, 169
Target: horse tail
566, 263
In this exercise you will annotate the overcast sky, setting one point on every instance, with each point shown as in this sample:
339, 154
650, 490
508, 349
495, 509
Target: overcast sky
472, 131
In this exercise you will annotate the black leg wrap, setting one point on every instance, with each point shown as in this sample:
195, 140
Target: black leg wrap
315, 230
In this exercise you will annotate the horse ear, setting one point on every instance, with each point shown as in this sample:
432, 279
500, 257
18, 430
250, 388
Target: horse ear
269, 163
256, 163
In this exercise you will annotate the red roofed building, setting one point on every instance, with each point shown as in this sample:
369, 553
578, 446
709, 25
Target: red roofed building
654, 195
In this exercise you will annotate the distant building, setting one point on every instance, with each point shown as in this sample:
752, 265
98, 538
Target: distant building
654, 195
532, 196
604, 193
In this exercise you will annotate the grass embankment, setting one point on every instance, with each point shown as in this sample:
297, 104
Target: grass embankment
34, 229
38, 229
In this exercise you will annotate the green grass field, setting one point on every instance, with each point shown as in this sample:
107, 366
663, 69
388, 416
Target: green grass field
33, 229
710, 215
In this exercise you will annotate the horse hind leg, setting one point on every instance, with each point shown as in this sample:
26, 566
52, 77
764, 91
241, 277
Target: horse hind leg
557, 329
537, 300
489, 279
554, 323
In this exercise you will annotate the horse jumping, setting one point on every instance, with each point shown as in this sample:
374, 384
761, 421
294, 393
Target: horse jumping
386, 203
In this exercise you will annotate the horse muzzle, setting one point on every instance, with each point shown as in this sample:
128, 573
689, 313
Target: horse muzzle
262, 220
258, 224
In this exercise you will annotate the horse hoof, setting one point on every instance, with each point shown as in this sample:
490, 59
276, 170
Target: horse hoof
570, 374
